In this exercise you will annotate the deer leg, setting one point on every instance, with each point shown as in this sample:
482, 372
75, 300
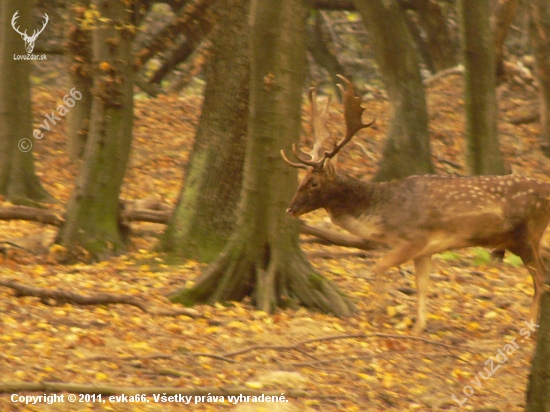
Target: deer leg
530, 257
422, 269
393, 258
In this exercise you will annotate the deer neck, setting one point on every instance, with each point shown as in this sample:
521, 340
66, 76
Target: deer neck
355, 206
350, 197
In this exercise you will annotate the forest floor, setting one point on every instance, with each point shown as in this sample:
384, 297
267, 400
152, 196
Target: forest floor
477, 348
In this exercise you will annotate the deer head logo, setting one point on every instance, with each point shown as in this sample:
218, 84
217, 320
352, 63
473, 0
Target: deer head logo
29, 40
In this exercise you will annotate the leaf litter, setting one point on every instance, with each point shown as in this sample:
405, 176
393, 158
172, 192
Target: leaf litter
366, 362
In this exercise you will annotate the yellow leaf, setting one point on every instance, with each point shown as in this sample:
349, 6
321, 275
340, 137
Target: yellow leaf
104, 66
404, 324
39, 270
338, 327
368, 378
254, 385
100, 376
473, 326
490, 315
387, 380
392, 311
20, 375
235, 324
141, 345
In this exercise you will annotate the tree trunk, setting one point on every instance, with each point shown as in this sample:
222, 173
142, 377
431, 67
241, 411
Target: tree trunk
205, 213
484, 156
540, 40
504, 16
79, 56
538, 395
318, 48
439, 46
18, 181
407, 150
186, 18
263, 258
93, 210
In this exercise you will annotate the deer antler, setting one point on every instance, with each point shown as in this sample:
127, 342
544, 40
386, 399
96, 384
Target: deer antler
352, 114
318, 127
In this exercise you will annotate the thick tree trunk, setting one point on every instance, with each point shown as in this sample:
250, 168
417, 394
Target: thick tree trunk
504, 16
187, 17
93, 210
484, 156
318, 48
194, 36
206, 211
18, 181
538, 395
262, 257
540, 40
440, 51
79, 58
407, 150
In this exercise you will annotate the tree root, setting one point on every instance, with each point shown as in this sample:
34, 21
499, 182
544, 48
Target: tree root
52, 296
286, 279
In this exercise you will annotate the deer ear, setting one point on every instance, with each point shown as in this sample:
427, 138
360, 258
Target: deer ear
330, 170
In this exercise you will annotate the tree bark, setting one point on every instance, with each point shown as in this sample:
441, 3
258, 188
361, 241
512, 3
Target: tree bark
478, 52
318, 48
79, 56
93, 211
538, 395
407, 150
263, 258
184, 22
504, 16
439, 46
205, 213
18, 181
201, 28
540, 40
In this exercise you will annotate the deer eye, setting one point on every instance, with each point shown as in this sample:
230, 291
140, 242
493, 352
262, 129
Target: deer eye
314, 184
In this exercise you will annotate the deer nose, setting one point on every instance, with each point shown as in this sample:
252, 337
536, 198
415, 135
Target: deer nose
291, 210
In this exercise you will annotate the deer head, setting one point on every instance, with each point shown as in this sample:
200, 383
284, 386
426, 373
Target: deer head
321, 173
29, 40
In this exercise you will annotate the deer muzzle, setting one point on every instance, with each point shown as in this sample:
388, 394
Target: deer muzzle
291, 210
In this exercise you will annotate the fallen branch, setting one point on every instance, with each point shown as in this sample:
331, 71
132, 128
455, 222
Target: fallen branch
49, 217
338, 239
64, 296
156, 356
297, 345
457, 70
33, 214
530, 117
154, 211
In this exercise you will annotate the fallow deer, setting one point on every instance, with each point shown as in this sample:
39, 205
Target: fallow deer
421, 215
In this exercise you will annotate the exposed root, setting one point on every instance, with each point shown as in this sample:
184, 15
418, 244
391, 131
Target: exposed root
286, 280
